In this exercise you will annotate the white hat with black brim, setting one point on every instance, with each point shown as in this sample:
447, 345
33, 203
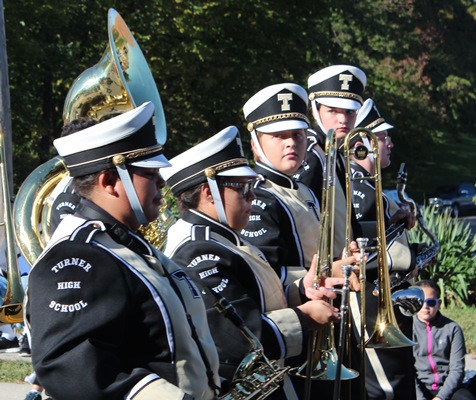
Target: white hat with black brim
338, 86
369, 117
219, 156
126, 139
276, 108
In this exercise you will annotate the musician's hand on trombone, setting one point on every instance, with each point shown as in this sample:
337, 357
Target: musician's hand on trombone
353, 258
323, 288
319, 313
402, 216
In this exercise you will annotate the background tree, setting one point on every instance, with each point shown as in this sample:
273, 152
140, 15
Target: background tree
209, 57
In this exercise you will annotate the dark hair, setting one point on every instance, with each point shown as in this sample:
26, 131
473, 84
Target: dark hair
189, 199
82, 184
429, 284
77, 125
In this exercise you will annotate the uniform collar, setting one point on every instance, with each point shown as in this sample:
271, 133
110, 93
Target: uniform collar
433, 322
197, 218
357, 167
275, 176
119, 232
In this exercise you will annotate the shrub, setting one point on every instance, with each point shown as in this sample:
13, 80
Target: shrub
455, 266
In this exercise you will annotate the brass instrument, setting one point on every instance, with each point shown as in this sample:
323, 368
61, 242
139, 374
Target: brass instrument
11, 308
386, 333
32, 208
256, 377
120, 81
427, 255
156, 232
322, 362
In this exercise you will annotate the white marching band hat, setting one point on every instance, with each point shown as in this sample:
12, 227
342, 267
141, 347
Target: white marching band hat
221, 155
277, 108
338, 86
369, 117
126, 139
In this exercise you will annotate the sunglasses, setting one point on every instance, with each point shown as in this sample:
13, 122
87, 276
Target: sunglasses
431, 302
244, 187
387, 139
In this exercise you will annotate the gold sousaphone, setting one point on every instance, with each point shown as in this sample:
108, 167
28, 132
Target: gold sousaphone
119, 82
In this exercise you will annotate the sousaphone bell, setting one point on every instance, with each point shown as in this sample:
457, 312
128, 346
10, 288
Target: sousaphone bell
119, 82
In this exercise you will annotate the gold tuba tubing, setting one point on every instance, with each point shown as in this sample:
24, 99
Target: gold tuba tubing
32, 208
386, 333
11, 309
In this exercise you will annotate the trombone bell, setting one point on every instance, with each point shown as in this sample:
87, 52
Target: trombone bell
386, 333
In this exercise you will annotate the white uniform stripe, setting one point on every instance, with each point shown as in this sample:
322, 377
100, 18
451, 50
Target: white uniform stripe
371, 353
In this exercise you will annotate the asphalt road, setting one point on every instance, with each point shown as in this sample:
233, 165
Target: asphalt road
472, 221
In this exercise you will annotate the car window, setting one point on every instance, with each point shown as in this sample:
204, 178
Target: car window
467, 188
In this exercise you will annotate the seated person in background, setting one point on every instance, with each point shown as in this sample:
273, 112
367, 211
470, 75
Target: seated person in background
213, 184
439, 351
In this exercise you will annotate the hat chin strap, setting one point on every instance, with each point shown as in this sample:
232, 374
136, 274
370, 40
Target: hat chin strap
131, 194
317, 117
263, 158
366, 142
212, 184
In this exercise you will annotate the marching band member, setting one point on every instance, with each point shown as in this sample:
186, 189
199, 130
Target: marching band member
284, 223
213, 184
336, 95
110, 316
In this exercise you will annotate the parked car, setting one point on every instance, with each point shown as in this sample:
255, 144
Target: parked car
440, 204
460, 197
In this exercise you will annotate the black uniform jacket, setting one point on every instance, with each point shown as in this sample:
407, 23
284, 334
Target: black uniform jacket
284, 223
110, 317
312, 175
218, 260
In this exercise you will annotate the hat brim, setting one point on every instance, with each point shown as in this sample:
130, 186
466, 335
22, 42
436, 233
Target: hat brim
382, 127
346, 104
281, 126
239, 171
158, 161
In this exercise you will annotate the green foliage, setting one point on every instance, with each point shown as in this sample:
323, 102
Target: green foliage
208, 57
455, 267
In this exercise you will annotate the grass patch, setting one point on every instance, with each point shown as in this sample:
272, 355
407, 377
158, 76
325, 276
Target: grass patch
466, 318
14, 371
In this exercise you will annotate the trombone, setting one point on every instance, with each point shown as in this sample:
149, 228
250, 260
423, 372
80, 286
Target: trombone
386, 333
11, 308
322, 360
